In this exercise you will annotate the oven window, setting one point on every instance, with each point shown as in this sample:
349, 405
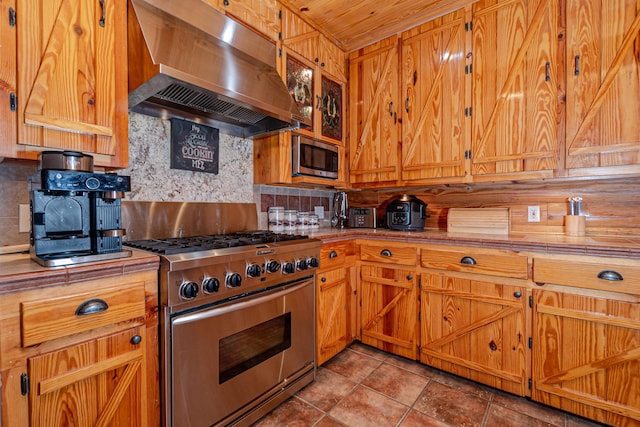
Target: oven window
245, 349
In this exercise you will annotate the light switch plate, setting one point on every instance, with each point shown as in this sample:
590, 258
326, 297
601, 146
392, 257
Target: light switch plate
319, 210
533, 214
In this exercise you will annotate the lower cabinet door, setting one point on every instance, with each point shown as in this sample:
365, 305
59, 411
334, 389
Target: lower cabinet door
96, 383
389, 309
475, 329
331, 313
586, 354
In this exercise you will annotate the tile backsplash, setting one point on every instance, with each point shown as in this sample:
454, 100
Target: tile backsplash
152, 178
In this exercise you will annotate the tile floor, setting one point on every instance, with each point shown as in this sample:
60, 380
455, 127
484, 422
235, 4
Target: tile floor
364, 387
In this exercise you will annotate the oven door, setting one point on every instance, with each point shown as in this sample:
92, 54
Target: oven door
229, 359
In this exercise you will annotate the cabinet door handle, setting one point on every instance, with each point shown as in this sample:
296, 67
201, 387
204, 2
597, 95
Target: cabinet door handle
517, 294
576, 65
386, 252
547, 72
406, 104
467, 260
323, 279
391, 108
136, 339
102, 18
319, 105
611, 275
409, 277
95, 305
333, 254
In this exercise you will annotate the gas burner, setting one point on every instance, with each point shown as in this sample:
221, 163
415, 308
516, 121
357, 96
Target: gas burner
180, 245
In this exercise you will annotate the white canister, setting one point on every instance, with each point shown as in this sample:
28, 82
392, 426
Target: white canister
290, 220
276, 218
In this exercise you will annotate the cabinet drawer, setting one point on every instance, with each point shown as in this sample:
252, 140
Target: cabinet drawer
333, 254
326, 279
492, 263
42, 321
612, 275
388, 254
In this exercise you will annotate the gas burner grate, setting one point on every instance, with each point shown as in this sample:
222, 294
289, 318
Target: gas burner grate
179, 245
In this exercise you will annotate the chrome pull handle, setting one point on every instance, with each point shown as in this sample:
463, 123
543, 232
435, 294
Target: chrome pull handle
386, 252
102, 17
333, 254
467, 260
95, 305
610, 275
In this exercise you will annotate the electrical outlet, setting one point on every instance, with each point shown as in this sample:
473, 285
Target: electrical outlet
533, 214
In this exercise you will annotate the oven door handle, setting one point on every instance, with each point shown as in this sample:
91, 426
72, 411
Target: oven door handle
217, 311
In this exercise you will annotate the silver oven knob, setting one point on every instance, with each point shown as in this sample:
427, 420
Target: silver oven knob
233, 280
188, 290
253, 270
210, 285
272, 266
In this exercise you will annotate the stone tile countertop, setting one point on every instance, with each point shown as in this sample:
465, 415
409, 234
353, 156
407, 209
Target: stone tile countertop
18, 271
614, 246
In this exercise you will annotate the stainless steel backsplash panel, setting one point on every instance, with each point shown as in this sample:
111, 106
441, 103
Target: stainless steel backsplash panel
157, 220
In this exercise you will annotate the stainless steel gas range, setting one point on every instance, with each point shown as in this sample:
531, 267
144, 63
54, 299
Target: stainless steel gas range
238, 318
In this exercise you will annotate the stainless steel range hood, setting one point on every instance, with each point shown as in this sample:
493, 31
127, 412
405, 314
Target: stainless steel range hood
188, 60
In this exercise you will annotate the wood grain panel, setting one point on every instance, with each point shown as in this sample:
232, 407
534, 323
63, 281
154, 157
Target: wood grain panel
489, 262
54, 318
514, 114
8, 83
389, 304
586, 362
331, 313
433, 128
388, 254
603, 70
374, 149
475, 329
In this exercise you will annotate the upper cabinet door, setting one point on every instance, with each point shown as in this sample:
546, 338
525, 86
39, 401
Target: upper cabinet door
603, 83
433, 86
261, 15
514, 112
373, 120
72, 91
305, 40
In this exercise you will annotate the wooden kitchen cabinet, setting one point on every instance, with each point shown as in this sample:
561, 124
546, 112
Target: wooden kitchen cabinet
72, 90
514, 83
308, 42
84, 354
586, 337
335, 308
319, 97
474, 315
434, 90
389, 298
603, 86
374, 128
261, 15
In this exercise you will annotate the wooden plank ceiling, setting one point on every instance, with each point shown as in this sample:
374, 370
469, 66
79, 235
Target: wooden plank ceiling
356, 23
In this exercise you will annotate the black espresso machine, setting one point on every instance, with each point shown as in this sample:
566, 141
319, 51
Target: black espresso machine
75, 212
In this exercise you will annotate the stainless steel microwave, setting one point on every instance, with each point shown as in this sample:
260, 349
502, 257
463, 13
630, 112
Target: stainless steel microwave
314, 158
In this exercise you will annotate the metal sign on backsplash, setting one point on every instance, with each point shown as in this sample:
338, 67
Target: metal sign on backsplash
194, 146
